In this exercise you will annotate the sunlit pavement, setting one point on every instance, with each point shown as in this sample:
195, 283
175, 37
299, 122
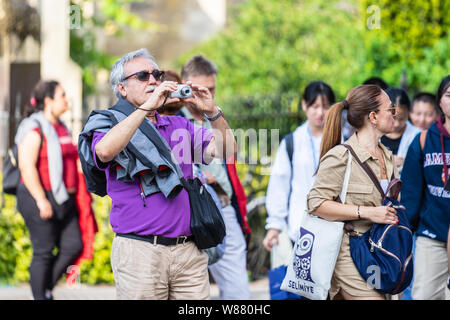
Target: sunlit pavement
259, 290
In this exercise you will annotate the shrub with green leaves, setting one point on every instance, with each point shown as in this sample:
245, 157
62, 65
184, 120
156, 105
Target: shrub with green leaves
276, 47
15, 252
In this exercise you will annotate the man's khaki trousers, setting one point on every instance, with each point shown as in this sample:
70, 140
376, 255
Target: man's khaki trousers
143, 270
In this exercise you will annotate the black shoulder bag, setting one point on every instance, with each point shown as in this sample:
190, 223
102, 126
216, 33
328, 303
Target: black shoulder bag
207, 225
11, 172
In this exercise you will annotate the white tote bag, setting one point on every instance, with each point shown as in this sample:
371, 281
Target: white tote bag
315, 253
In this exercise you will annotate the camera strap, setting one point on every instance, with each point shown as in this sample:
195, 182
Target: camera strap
153, 135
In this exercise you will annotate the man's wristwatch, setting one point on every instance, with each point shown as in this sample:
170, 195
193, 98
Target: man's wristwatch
215, 117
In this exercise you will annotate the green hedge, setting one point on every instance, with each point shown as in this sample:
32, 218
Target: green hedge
15, 252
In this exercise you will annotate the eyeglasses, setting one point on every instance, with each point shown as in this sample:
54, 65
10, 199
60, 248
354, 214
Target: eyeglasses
145, 75
392, 109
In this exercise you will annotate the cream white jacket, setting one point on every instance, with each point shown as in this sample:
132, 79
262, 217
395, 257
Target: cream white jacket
279, 215
408, 135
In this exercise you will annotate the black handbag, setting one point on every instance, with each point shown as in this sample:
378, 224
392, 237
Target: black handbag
207, 225
11, 172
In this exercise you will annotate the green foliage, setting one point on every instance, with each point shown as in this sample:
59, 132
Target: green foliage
435, 65
15, 255
411, 25
118, 16
114, 17
280, 46
412, 39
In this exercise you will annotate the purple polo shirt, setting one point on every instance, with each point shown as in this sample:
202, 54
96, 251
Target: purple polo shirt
161, 216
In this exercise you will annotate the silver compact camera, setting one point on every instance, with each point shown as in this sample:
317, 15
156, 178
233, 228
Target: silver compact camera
183, 91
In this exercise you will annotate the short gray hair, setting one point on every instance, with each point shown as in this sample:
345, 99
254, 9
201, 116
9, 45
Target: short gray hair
118, 69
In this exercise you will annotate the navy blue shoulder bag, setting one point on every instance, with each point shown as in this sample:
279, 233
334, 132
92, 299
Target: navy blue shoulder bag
383, 254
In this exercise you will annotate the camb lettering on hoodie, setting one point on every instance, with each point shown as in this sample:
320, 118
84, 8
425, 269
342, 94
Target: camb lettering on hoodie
435, 159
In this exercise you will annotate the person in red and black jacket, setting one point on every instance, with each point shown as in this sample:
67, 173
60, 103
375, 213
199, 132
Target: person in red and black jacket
47, 195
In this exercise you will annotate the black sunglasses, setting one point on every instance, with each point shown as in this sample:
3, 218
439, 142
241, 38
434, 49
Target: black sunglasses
145, 75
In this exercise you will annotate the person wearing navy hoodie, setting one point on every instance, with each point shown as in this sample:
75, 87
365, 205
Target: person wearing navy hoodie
426, 196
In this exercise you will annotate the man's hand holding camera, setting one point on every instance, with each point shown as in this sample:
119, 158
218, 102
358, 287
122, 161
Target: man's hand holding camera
159, 95
202, 100
198, 96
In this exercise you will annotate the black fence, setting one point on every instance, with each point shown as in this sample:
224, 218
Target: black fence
270, 117
268, 111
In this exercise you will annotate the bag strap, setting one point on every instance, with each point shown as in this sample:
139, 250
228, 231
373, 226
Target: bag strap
130, 146
153, 135
290, 145
367, 169
289, 139
394, 185
343, 194
41, 134
422, 138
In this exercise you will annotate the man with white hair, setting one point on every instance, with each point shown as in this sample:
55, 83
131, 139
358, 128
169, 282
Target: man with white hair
153, 255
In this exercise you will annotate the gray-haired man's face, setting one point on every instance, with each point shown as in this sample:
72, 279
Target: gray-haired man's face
135, 91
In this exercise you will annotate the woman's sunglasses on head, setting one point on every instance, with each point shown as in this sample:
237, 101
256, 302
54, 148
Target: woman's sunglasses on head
145, 75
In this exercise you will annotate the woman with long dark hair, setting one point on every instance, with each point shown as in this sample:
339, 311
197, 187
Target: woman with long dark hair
371, 113
46, 195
